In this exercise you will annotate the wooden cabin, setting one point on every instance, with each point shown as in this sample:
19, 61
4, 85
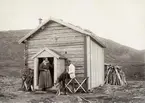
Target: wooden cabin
58, 40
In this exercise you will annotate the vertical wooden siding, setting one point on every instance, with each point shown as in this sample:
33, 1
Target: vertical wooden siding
60, 66
62, 39
97, 65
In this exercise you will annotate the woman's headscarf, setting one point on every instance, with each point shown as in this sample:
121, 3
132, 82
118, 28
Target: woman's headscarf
45, 61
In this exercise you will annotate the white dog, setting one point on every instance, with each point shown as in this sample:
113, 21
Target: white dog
56, 87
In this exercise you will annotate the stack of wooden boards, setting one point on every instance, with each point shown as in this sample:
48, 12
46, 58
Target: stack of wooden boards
114, 76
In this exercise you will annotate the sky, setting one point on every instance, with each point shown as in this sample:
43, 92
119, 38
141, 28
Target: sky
122, 21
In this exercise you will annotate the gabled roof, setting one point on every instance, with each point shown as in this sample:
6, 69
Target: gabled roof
52, 52
76, 28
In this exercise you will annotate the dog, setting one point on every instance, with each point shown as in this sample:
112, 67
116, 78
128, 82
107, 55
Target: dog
28, 83
27, 80
57, 87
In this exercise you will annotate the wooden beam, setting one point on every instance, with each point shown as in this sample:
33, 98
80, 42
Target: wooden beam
118, 75
85, 61
88, 57
25, 55
36, 73
55, 69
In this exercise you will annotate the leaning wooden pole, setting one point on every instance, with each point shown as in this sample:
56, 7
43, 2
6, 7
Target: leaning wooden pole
121, 82
106, 79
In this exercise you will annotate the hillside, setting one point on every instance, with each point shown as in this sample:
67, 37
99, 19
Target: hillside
131, 60
120, 54
11, 53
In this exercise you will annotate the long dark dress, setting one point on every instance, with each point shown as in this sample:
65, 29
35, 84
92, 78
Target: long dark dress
45, 79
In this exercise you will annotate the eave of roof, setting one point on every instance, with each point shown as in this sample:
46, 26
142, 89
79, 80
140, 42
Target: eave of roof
65, 24
52, 52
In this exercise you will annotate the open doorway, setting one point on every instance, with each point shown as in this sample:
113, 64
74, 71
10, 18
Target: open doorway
51, 60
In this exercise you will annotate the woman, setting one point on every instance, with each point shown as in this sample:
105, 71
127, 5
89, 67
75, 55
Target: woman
45, 80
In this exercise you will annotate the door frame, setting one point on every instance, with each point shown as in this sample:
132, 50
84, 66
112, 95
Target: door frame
36, 63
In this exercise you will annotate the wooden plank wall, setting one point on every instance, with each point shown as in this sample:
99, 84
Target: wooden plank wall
61, 39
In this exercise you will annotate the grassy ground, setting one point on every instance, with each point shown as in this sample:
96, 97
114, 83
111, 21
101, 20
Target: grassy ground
134, 92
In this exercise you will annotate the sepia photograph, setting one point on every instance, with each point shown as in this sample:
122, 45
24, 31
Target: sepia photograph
72, 51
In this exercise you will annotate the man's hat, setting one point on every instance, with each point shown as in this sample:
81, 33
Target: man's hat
68, 60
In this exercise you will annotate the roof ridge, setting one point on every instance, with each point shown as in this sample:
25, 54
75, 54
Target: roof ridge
76, 28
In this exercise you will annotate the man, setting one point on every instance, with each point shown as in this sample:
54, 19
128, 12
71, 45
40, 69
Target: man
67, 74
71, 69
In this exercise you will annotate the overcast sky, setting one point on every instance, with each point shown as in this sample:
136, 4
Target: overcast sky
122, 21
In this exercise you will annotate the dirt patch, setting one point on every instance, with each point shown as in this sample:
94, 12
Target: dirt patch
59, 99
134, 92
